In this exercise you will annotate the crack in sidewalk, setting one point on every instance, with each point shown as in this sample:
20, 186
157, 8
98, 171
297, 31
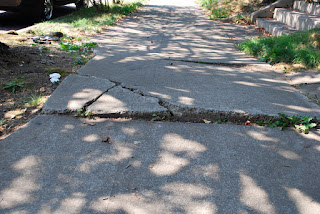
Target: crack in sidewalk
189, 114
87, 104
175, 112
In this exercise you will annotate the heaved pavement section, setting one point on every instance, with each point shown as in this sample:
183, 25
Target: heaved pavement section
166, 58
179, 56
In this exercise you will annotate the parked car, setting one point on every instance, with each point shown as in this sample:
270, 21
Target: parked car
40, 9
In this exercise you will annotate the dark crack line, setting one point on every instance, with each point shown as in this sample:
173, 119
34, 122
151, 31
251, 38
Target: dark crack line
235, 65
87, 104
181, 113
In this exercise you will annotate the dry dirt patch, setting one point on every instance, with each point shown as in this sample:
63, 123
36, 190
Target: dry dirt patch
26, 68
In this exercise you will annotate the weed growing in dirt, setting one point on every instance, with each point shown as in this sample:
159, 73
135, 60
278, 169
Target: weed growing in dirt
220, 121
77, 47
2, 121
156, 117
13, 85
301, 123
82, 113
301, 47
35, 100
82, 52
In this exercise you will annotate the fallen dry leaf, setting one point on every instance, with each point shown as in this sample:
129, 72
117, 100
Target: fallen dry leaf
206, 121
307, 146
248, 123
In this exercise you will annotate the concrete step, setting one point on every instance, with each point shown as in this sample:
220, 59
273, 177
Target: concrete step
274, 27
309, 8
298, 20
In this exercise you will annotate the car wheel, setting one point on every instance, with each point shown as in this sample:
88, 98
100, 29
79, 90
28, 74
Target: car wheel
46, 9
82, 3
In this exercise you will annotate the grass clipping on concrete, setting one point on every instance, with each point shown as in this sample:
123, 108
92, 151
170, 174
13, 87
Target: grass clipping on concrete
87, 21
298, 48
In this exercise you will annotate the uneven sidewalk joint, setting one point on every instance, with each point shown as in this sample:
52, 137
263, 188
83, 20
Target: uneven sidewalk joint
233, 65
120, 101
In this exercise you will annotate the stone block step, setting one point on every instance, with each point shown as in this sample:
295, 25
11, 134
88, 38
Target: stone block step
309, 8
274, 27
298, 20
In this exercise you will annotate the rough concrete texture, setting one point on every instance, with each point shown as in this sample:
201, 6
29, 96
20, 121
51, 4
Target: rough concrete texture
274, 27
161, 32
307, 77
65, 165
75, 92
308, 83
59, 164
267, 12
306, 7
122, 101
207, 87
298, 20
148, 50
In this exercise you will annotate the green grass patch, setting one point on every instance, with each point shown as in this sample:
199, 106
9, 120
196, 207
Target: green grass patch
35, 100
299, 48
76, 47
13, 85
87, 20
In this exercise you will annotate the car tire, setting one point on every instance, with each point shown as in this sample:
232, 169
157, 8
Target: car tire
45, 10
82, 3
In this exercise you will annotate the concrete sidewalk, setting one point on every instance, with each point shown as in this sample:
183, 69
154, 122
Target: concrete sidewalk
59, 164
176, 55
167, 58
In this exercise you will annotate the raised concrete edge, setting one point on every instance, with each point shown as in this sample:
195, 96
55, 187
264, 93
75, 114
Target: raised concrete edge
309, 8
74, 93
296, 19
267, 12
274, 27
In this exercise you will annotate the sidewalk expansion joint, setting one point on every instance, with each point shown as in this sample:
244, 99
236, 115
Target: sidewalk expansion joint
166, 110
235, 65
183, 113
199, 115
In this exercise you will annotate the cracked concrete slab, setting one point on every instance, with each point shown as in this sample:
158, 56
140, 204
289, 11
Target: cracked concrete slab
75, 92
60, 164
123, 101
148, 50
208, 87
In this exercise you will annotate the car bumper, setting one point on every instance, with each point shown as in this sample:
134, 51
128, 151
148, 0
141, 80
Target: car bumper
10, 3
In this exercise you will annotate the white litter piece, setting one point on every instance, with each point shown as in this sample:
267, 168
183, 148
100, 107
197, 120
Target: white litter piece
136, 142
54, 78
